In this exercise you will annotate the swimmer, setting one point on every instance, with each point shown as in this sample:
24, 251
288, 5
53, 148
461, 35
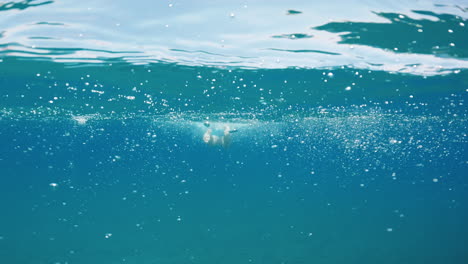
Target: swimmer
214, 140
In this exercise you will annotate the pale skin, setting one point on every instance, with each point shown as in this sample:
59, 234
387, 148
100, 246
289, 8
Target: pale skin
214, 140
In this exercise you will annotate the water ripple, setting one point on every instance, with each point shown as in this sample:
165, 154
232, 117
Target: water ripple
384, 36
439, 34
22, 5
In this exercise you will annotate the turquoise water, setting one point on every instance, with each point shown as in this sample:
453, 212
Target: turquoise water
351, 144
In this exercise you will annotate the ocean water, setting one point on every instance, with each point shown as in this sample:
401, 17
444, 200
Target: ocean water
351, 142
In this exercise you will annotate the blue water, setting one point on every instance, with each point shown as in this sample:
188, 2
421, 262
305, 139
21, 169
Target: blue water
351, 144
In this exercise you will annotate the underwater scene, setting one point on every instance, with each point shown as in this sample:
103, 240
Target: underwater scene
253, 131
